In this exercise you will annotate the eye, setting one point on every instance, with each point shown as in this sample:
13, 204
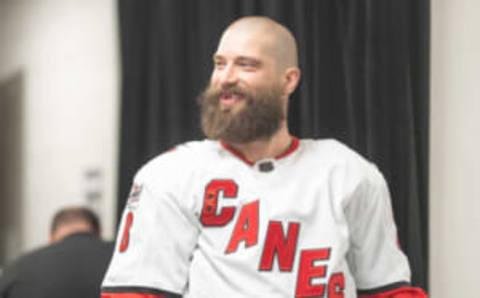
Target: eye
218, 64
248, 65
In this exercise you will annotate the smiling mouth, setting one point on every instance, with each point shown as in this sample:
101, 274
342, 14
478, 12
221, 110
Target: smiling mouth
230, 98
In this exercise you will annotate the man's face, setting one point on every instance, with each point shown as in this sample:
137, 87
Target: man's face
245, 100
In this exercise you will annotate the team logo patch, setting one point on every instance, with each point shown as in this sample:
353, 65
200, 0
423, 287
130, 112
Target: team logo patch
134, 196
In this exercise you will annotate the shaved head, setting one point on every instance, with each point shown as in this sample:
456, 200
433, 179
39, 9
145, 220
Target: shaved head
255, 71
276, 39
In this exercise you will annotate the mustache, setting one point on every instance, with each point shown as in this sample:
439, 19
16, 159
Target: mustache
233, 90
212, 93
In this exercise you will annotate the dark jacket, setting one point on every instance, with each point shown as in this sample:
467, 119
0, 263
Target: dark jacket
71, 268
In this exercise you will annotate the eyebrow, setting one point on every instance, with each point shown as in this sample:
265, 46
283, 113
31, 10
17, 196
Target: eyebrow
248, 59
251, 60
216, 57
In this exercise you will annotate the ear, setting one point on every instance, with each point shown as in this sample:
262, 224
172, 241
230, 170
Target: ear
51, 238
291, 79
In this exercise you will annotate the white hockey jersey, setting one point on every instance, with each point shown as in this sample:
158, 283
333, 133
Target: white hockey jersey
204, 222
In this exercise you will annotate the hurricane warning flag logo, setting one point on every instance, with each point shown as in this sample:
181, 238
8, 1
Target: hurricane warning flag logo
134, 196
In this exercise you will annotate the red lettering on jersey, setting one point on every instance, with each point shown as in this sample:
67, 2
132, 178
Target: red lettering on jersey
309, 271
336, 285
126, 232
209, 216
283, 247
246, 228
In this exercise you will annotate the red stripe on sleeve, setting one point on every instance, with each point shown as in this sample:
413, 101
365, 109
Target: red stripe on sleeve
403, 292
130, 295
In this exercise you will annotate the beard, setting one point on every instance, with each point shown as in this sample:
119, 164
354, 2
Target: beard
258, 117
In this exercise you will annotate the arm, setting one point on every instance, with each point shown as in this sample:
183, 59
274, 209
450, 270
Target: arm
380, 268
155, 242
5, 282
10, 276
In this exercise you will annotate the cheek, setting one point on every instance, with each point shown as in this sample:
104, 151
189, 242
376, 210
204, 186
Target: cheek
215, 77
252, 82
261, 80
213, 80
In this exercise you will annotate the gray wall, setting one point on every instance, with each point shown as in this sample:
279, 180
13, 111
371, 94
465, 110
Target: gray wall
455, 143
67, 52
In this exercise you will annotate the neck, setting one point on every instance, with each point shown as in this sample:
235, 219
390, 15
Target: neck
268, 148
69, 229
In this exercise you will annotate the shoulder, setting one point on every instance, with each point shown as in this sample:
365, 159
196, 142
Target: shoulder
180, 158
176, 167
344, 165
27, 262
335, 153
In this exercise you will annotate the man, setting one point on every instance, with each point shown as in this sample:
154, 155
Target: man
254, 211
72, 266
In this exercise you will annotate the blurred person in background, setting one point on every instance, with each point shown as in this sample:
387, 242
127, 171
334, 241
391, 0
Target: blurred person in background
72, 265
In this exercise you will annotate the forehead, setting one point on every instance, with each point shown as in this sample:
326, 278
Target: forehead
245, 43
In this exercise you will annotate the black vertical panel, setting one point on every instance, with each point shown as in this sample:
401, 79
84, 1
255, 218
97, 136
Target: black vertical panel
364, 82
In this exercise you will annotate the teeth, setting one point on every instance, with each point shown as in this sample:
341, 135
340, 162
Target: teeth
231, 96
234, 95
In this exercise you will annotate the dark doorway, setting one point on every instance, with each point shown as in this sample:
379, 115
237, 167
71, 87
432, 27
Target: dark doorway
11, 139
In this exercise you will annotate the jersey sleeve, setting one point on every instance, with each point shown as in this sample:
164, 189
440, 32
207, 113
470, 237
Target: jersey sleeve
402, 292
155, 241
375, 258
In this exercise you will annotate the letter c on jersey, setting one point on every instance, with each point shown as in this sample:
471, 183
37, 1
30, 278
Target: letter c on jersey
210, 217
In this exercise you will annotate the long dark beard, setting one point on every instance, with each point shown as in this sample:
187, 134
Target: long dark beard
258, 119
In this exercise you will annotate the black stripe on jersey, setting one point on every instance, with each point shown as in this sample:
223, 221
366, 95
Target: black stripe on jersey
140, 290
382, 289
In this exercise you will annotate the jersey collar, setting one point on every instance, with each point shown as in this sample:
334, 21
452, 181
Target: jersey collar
292, 148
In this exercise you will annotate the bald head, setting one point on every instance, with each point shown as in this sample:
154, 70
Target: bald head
255, 70
275, 39
257, 52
